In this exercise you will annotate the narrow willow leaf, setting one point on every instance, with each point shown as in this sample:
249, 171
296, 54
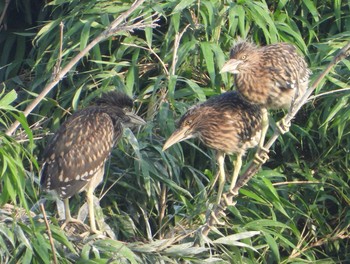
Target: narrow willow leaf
196, 89
185, 249
257, 224
182, 5
8, 99
253, 196
76, 97
114, 246
175, 21
312, 9
273, 246
209, 60
22, 237
85, 34
335, 110
236, 237
149, 36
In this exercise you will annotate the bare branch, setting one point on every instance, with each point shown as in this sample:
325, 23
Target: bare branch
313, 97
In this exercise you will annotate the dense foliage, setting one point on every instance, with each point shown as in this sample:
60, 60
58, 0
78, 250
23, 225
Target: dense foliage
299, 202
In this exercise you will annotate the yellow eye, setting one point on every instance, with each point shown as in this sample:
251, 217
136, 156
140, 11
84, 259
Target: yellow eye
188, 122
244, 57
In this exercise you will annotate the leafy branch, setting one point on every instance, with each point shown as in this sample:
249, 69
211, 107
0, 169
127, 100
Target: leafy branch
118, 25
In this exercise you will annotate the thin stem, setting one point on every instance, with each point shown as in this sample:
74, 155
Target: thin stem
42, 208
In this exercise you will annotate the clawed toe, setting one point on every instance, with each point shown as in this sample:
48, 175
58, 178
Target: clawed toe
283, 126
261, 156
71, 220
228, 201
216, 219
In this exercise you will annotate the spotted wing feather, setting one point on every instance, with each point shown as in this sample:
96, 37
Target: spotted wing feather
226, 122
285, 66
77, 151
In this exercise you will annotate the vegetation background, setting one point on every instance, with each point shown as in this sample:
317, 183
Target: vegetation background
298, 203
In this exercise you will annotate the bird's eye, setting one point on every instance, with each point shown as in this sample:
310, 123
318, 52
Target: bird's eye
244, 57
188, 122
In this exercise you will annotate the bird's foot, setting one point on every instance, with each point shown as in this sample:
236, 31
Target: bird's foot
74, 226
228, 199
71, 220
261, 155
96, 231
283, 126
216, 219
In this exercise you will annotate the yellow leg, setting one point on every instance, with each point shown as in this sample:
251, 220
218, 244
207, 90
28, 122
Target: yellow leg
221, 179
237, 168
237, 165
264, 128
90, 202
220, 157
262, 154
67, 210
69, 218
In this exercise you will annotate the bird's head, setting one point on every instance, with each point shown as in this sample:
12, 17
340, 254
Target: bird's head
119, 106
242, 55
188, 127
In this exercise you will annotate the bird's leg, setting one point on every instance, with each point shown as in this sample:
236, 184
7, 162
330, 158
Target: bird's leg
90, 202
262, 153
69, 218
221, 179
282, 125
237, 165
237, 168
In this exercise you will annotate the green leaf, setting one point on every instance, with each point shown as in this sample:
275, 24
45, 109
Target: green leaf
209, 60
273, 246
8, 99
85, 34
182, 5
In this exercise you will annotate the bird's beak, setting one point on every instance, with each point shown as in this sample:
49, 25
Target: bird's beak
178, 136
135, 119
231, 66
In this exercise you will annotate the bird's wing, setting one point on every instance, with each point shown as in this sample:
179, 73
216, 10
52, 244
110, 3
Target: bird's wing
283, 78
286, 66
77, 151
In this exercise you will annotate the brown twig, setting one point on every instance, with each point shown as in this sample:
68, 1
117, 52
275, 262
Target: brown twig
336, 235
42, 208
254, 167
162, 207
119, 24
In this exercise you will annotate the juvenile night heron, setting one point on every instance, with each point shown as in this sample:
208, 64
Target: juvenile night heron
272, 76
75, 158
226, 123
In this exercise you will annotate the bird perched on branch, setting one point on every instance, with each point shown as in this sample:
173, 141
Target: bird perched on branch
75, 158
272, 76
226, 123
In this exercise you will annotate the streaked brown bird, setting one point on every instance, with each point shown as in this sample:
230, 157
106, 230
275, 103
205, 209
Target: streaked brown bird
271, 76
75, 158
226, 123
